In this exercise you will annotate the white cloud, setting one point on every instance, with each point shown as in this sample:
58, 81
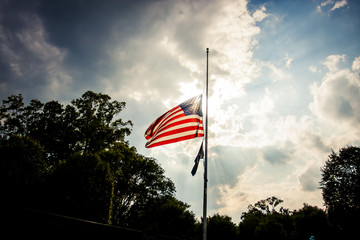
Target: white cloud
331, 5
332, 62
260, 14
339, 4
314, 69
336, 98
288, 151
180, 39
262, 107
255, 184
278, 70
356, 64
288, 61
318, 8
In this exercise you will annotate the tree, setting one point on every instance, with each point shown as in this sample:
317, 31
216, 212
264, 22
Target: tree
262, 221
164, 215
79, 153
95, 125
310, 221
11, 117
23, 168
263, 206
52, 127
250, 221
270, 229
87, 125
80, 187
221, 227
136, 180
340, 186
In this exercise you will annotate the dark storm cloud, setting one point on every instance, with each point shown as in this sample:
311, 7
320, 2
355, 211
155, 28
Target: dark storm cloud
29, 62
87, 27
90, 30
48, 44
63, 48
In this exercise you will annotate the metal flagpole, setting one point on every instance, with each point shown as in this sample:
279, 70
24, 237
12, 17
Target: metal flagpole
206, 151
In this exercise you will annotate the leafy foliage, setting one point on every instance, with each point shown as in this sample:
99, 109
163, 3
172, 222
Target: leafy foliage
74, 160
261, 223
136, 180
310, 221
165, 216
340, 186
221, 227
23, 167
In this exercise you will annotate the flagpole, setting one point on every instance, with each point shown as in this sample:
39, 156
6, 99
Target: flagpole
206, 150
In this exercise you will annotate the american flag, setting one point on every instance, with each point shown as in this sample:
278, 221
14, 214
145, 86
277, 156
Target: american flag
181, 123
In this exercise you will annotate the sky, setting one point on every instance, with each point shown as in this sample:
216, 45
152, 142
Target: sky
284, 84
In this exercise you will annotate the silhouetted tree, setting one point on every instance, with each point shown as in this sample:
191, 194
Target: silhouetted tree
270, 229
136, 180
77, 157
221, 227
23, 168
96, 127
12, 120
250, 220
340, 186
311, 221
164, 216
262, 221
87, 125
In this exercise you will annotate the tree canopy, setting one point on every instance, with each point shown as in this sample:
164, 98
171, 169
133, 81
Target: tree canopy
340, 186
259, 222
74, 160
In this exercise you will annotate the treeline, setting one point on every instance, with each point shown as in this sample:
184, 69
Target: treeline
264, 221
73, 160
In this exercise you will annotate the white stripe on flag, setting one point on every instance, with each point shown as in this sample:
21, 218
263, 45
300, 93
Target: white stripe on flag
178, 135
190, 124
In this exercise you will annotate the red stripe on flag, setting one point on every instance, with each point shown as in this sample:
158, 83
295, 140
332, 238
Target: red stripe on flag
174, 140
162, 120
189, 120
168, 116
184, 129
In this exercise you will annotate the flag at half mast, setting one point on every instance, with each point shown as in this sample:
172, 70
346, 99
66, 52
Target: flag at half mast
180, 123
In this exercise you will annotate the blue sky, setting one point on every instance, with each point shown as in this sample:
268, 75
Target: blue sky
283, 81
